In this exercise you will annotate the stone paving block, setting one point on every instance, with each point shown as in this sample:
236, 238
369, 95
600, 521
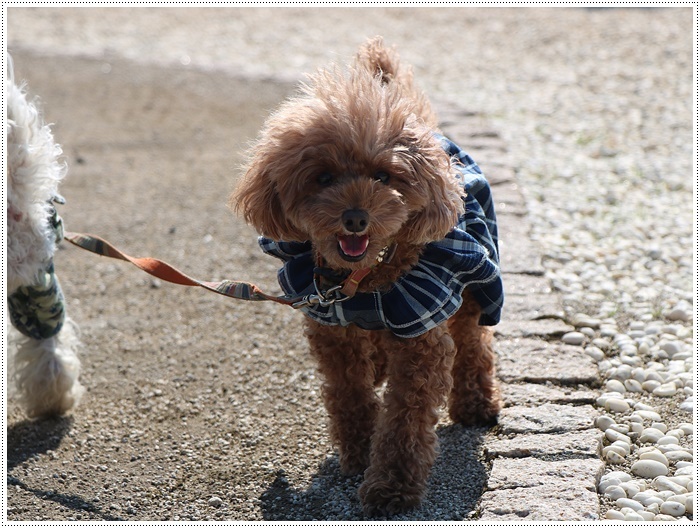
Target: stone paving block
544, 328
570, 502
538, 361
545, 418
577, 444
516, 284
505, 206
518, 253
500, 176
529, 489
531, 307
535, 394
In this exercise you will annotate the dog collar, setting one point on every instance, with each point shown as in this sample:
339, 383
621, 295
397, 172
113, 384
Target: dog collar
343, 286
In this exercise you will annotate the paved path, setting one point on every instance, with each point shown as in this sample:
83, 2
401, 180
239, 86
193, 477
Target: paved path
545, 450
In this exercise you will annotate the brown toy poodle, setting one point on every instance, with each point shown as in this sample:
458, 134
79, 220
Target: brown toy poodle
387, 230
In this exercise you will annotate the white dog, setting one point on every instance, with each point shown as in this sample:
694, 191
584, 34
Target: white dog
42, 360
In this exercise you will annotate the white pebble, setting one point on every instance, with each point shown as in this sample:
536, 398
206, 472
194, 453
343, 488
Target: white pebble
614, 457
616, 449
678, 454
664, 517
614, 493
666, 494
650, 435
651, 385
605, 484
690, 504
649, 468
630, 488
573, 338
660, 426
682, 499
621, 444
617, 405
629, 503
615, 386
215, 502
673, 508
604, 421
665, 484
654, 455
634, 516
614, 515
677, 314
680, 480
687, 428
668, 448
648, 415
684, 469
652, 504
646, 515
647, 498
666, 440
665, 390
678, 433
687, 406
633, 385
614, 436
671, 347
594, 352
619, 475
652, 375
601, 343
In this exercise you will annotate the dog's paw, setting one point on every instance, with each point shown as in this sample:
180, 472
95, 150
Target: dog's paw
385, 498
482, 412
354, 464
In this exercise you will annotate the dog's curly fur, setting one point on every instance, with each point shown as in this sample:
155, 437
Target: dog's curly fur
45, 371
361, 139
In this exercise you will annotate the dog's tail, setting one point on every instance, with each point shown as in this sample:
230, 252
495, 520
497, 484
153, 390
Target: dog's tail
381, 61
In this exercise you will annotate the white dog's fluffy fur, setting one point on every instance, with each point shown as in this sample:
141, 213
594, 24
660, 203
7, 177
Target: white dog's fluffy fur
45, 372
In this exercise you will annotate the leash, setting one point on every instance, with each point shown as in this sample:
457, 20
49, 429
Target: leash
235, 289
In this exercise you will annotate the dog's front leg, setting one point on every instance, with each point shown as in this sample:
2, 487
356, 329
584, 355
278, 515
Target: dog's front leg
404, 443
344, 357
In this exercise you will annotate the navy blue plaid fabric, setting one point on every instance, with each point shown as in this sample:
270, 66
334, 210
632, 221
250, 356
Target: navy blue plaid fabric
431, 292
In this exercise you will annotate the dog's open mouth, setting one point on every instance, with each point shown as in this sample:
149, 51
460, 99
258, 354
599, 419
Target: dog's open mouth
353, 247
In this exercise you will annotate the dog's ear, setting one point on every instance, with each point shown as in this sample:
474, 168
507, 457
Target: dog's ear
441, 192
257, 199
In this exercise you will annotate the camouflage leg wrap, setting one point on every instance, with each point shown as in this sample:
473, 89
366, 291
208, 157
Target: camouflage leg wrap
38, 311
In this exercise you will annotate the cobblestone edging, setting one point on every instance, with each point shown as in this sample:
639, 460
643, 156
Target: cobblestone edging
546, 450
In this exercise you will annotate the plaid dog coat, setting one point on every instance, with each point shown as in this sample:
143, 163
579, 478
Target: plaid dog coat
429, 293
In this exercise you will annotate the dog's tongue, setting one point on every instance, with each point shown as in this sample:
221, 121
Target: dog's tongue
353, 245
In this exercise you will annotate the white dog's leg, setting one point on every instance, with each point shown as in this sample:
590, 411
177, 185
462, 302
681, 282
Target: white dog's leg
46, 371
43, 363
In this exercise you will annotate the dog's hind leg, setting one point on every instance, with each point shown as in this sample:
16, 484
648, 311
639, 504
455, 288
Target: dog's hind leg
345, 361
475, 397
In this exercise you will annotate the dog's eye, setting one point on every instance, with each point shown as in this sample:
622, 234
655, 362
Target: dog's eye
325, 178
382, 177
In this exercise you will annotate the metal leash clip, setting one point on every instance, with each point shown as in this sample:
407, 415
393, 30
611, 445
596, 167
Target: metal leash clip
321, 298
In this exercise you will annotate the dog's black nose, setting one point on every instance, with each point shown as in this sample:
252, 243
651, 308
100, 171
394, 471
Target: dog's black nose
355, 220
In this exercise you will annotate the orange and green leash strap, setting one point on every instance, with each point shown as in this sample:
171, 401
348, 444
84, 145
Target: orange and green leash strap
234, 289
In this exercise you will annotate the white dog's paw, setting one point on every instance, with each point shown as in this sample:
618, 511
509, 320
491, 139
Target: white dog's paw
46, 373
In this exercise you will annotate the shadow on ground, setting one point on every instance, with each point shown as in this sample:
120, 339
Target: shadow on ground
30, 439
455, 486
